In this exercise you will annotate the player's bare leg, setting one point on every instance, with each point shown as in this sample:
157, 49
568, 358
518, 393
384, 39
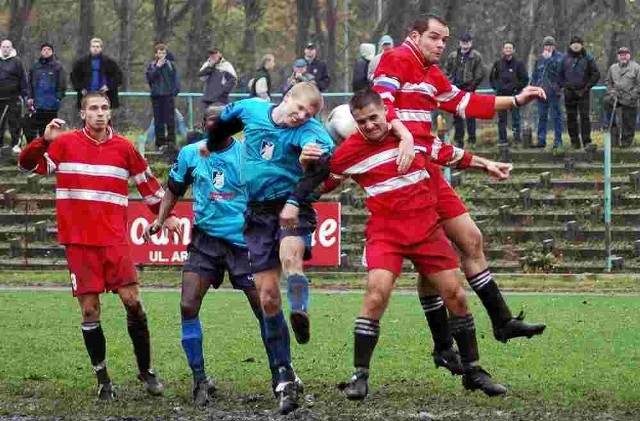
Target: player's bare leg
194, 288
291, 255
95, 343
467, 237
464, 332
139, 334
380, 284
444, 352
277, 338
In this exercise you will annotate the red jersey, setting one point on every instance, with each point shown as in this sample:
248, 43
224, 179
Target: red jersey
92, 184
373, 166
412, 90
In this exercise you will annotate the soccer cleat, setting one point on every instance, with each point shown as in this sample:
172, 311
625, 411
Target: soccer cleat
516, 328
151, 383
106, 392
358, 386
476, 378
449, 359
288, 396
203, 391
300, 326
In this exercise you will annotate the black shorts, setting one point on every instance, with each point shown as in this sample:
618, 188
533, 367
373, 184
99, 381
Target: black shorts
210, 257
262, 233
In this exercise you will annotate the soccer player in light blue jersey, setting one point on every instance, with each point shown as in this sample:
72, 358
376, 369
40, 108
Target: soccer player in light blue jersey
217, 244
279, 219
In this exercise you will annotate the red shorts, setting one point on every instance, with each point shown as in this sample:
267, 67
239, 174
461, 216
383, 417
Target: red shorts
96, 269
449, 204
387, 246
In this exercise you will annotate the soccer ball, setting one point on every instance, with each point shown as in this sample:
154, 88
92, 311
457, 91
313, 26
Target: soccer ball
340, 123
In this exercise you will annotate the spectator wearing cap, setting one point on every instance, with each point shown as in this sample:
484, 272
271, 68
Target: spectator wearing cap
300, 74
465, 69
508, 77
360, 78
579, 73
316, 67
13, 86
47, 83
384, 44
219, 79
623, 90
546, 74
96, 72
164, 84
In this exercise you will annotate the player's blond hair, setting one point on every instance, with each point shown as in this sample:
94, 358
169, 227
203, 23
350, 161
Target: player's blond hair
307, 90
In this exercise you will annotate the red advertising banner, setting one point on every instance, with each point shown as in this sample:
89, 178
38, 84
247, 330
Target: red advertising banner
163, 250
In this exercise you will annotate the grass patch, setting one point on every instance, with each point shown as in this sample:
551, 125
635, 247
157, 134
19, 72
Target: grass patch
585, 364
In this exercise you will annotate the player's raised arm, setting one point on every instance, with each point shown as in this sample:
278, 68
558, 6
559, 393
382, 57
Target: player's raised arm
42, 155
228, 123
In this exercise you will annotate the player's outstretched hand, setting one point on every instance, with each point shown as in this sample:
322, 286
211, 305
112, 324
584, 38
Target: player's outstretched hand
406, 153
53, 129
530, 93
289, 217
499, 170
151, 229
174, 226
311, 152
203, 150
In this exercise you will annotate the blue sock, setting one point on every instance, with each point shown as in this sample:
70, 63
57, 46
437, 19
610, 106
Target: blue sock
192, 345
277, 339
263, 333
298, 292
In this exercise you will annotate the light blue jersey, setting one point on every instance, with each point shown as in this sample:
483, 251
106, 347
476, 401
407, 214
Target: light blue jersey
219, 192
271, 167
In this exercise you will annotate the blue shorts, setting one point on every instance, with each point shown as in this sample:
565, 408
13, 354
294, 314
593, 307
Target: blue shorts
210, 257
262, 233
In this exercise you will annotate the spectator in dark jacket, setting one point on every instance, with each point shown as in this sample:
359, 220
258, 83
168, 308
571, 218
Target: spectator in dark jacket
316, 67
546, 74
360, 69
300, 74
96, 72
13, 86
164, 84
508, 76
465, 69
579, 74
219, 79
47, 85
260, 84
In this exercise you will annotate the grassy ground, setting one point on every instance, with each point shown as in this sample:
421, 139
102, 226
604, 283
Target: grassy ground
621, 283
584, 367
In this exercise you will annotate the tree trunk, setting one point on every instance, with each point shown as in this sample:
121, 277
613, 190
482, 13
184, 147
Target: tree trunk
86, 28
200, 39
20, 11
252, 15
331, 16
560, 24
124, 9
617, 36
165, 19
305, 12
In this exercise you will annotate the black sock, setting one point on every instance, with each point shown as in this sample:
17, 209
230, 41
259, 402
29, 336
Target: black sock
96, 346
491, 297
437, 318
139, 333
463, 330
366, 334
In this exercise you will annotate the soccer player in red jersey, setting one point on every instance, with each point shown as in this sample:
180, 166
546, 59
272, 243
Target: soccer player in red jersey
93, 167
413, 87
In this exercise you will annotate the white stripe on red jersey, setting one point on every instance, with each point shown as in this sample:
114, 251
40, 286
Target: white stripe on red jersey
396, 183
92, 184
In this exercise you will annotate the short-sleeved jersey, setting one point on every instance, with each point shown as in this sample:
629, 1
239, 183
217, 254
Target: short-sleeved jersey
219, 194
271, 167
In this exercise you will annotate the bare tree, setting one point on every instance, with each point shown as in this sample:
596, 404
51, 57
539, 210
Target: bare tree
166, 18
125, 8
200, 39
331, 15
86, 28
253, 10
20, 11
618, 36
560, 23
304, 15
